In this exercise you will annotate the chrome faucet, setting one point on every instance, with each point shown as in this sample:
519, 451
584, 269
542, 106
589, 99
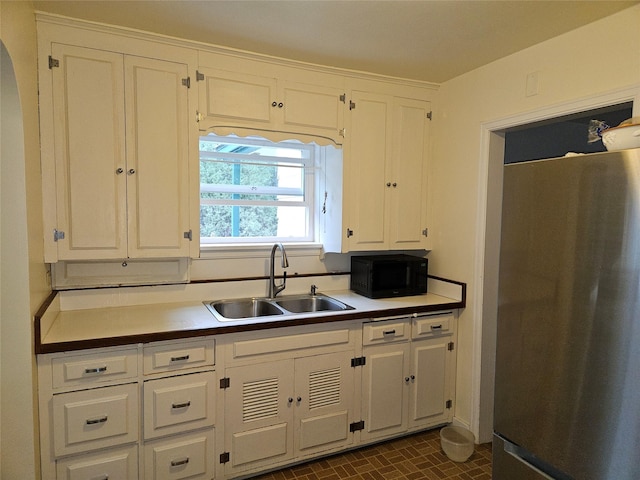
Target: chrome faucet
273, 288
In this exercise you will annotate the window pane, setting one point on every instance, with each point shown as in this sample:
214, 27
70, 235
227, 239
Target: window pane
253, 189
225, 222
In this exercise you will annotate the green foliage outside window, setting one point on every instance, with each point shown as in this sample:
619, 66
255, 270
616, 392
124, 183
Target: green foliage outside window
235, 220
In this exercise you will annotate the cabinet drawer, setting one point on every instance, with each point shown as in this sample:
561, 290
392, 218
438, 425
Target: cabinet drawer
432, 325
185, 456
163, 358
385, 332
119, 463
73, 370
97, 418
176, 404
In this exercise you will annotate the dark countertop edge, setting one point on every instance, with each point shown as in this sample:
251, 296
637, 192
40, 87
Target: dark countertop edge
221, 330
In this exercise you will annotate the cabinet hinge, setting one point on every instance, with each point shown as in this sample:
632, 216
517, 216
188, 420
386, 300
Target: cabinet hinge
352, 105
430, 115
186, 82
450, 346
58, 235
425, 232
53, 63
342, 132
343, 98
449, 404
349, 232
199, 76
355, 426
225, 382
358, 361
189, 235
224, 457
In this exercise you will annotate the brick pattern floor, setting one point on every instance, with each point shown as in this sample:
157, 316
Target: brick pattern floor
414, 457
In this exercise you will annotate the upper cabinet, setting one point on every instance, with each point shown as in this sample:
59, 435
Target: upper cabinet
387, 172
120, 119
253, 96
121, 156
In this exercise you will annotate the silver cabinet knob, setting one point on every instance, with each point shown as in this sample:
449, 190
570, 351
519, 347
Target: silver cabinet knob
131, 171
119, 171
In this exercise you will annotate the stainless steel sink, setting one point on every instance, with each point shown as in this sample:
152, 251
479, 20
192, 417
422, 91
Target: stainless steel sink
311, 303
248, 308
244, 308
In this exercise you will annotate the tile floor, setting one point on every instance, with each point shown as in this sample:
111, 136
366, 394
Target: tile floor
414, 457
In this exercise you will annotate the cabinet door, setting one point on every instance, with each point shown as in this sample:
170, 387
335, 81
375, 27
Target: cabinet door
157, 168
385, 390
367, 191
89, 126
408, 219
431, 364
235, 98
259, 405
312, 109
324, 402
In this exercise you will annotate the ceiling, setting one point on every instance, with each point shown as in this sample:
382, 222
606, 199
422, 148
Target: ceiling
430, 40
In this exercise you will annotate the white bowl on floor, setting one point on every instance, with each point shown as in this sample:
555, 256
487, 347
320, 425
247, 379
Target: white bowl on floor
457, 443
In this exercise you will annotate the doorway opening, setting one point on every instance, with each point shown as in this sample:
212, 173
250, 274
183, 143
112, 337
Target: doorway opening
558, 136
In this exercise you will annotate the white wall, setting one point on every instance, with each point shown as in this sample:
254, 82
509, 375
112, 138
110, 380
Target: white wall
23, 275
597, 59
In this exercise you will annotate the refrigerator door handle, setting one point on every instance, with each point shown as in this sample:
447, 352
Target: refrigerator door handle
544, 469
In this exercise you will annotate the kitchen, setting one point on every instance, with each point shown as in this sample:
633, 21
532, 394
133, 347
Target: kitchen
571, 77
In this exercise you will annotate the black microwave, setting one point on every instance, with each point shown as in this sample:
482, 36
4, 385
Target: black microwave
381, 276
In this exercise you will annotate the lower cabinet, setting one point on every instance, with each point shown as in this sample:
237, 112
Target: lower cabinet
242, 403
408, 375
279, 411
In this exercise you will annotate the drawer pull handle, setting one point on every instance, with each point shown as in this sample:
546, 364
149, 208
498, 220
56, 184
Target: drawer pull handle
389, 332
182, 461
95, 421
89, 371
436, 327
180, 359
181, 405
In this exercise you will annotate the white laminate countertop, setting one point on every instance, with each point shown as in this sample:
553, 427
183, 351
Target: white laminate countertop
108, 326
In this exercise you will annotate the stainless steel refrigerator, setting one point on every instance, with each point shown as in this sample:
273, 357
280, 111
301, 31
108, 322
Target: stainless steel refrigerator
567, 395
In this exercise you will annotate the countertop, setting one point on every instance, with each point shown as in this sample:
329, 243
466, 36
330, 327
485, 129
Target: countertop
121, 325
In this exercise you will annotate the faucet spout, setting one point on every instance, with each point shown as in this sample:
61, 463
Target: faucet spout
273, 288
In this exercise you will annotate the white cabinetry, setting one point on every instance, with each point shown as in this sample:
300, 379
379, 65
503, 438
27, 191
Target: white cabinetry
246, 99
279, 409
179, 410
408, 375
121, 156
120, 412
386, 171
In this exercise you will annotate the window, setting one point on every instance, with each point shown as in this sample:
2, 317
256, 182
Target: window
253, 190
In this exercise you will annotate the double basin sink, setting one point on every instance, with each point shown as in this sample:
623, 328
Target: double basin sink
247, 308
